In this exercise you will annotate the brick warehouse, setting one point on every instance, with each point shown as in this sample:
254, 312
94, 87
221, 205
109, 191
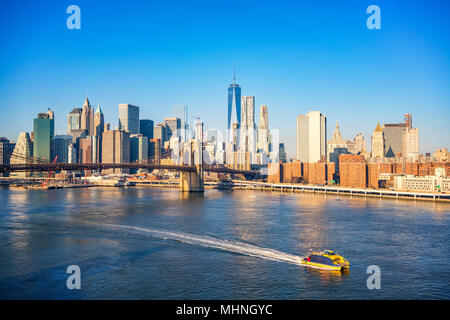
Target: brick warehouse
355, 172
294, 172
352, 171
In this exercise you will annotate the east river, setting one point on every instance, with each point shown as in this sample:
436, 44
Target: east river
142, 243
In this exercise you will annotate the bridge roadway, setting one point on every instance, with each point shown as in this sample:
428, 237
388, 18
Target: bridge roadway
59, 166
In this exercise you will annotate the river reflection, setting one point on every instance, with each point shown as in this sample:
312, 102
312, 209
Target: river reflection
42, 232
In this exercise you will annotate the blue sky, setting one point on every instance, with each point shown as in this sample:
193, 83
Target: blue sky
294, 56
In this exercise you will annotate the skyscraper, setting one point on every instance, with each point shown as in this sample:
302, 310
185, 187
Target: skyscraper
6, 150
74, 120
198, 131
311, 137
99, 122
146, 128
129, 118
173, 127
22, 153
392, 134
116, 149
99, 128
87, 118
44, 128
377, 142
138, 148
86, 150
60, 147
159, 132
263, 136
247, 134
234, 104
360, 144
410, 142
282, 153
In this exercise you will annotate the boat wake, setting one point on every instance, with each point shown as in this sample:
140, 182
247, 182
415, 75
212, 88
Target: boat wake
215, 243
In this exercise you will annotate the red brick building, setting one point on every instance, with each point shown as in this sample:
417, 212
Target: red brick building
352, 169
275, 173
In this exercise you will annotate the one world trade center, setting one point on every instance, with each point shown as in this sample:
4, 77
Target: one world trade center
234, 104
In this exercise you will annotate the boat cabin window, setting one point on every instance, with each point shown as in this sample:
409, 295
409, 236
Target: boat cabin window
321, 259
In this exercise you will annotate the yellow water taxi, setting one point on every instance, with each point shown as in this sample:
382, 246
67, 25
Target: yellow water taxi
327, 259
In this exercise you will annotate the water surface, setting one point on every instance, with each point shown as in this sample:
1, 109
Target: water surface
141, 243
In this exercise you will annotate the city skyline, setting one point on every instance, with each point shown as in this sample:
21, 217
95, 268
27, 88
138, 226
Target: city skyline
349, 73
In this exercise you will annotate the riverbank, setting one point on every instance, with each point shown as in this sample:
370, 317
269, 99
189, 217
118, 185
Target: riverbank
282, 187
299, 188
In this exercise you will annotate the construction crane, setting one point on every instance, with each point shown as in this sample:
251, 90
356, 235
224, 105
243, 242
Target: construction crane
49, 174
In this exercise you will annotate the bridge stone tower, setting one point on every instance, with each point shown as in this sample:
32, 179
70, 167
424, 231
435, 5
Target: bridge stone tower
192, 181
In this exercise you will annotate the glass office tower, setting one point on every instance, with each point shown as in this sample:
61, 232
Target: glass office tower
234, 105
44, 128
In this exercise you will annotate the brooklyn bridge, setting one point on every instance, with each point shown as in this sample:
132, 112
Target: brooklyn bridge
191, 168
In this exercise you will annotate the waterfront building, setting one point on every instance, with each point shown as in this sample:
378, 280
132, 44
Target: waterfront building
263, 130
74, 120
6, 150
338, 146
441, 155
116, 149
294, 172
410, 142
87, 118
60, 147
311, 137
234, 104
146, 128
431, 183
377, 142
173, 127
352, 171
129, 118
23, 153
44, 127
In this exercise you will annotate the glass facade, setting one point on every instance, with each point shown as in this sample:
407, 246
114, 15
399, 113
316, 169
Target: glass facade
43, 135
146, 128
173, 127
60, 148
234, 105
129, 118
